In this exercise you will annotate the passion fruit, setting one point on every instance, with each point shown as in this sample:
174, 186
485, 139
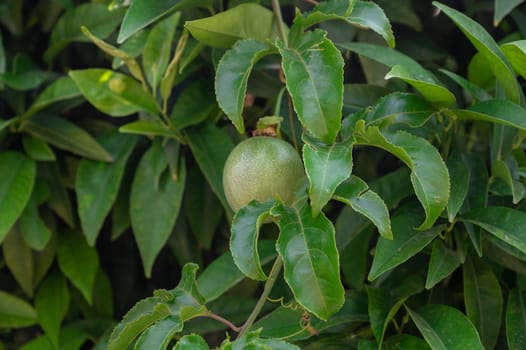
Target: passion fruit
260, 168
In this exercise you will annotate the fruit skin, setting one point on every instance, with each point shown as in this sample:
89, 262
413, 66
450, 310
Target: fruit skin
261, 168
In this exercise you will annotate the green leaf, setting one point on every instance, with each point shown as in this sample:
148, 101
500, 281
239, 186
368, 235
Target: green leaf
245, 21
114, 93
516, 319
382, 309
515, 53
503, 8
405, 342
143, 12
390, 57
97, 183
64, 88
17, 177
406, 243
429, 174
136, 320
327, 10
499, 169
310, 259
67, 136
154, 203
19, 259
147, 127
210, 147
432, 92
51, 304
34, 230
327, 166
223, 274
244, 236
95, 16
232, 76
25, 74
15, 312
476, 92
72, 248
460, 175
159, 335
397, 107
483, 299
504, 223
442, 263
157, 48
309, 65
446, 328
191, 342
485, 44
186, 112
495, 111
59, 200
37, 149
363, 200
369, 15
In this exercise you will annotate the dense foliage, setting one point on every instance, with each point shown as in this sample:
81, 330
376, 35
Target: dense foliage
408, 230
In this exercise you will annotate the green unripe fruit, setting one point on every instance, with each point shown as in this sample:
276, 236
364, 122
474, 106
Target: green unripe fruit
261, 168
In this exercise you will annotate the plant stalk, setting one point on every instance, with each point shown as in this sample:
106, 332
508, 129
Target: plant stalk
279, 21
276, 268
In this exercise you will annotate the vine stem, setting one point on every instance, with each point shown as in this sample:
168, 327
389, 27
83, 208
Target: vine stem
276, 268
279, 18
216, 317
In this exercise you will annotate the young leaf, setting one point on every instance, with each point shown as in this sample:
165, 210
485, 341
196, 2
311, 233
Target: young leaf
363, 200
485, 44
147, 127
159, 335
495, 111
66, 135
95, 16
17, 177
245, 21
114, 93
155, 201
460, 177
516, 319
313, 69
504, 223
406, 243
446, 328
327, 10
97, 183
327, 166
429, 174
442, 263
15, 312
244, 238
157, 49
143, 12
483, 299
232, 76
51, 304
369, 15
432, 92
191, 342
515, 52
310, 259
72, 248
211, 146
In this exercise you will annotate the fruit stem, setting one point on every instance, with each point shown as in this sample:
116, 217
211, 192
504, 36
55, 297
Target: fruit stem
276, 268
